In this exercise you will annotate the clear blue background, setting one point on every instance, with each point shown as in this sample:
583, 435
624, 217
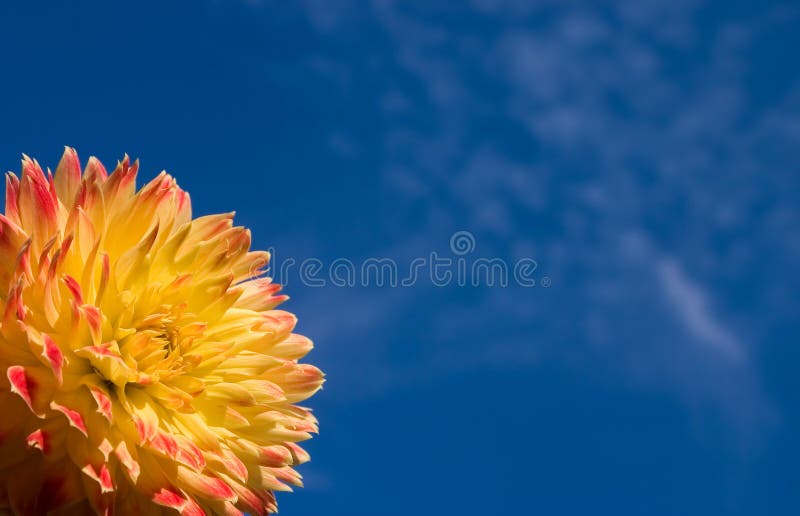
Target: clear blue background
644, 153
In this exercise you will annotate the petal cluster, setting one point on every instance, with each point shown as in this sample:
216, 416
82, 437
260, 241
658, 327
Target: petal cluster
144, 368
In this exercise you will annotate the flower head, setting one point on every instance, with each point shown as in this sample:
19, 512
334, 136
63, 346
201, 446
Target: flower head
143, 366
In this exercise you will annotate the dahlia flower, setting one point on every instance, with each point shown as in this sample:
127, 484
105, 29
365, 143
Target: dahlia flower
144, 367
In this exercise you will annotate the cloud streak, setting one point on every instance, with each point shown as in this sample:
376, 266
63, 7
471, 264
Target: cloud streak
690, 303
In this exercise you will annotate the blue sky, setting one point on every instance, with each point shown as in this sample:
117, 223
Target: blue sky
644, 154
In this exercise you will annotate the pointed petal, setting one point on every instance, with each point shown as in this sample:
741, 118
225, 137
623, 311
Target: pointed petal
68, 177
73, 417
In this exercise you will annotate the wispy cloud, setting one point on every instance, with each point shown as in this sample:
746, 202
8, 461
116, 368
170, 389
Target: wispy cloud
690, 303
561, 128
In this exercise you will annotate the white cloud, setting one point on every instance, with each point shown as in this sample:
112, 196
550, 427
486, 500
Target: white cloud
690, 303
645, 153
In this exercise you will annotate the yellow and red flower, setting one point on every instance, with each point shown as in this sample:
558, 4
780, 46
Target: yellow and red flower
144, 368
